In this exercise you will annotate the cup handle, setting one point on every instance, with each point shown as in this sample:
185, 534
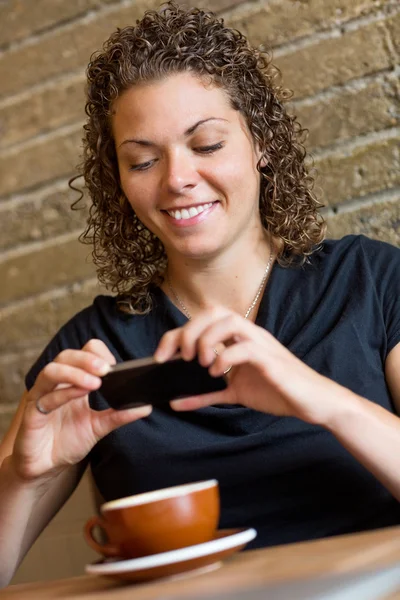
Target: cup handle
105, 549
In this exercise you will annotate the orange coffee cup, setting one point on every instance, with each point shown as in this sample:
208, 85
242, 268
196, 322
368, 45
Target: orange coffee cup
157, 521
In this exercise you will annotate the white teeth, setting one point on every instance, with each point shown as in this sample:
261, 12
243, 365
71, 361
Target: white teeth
185, 214
188, 213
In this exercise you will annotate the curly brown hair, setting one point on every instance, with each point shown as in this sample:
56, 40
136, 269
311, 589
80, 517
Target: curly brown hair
129, 258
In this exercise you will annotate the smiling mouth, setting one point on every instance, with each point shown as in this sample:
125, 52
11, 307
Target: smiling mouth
189, 213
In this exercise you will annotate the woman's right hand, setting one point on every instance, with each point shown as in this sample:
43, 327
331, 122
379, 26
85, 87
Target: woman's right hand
46, 444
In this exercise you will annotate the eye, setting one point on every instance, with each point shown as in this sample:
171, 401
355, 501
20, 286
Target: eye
142, 166
209, 149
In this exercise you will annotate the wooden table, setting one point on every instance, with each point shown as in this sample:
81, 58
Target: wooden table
244, 571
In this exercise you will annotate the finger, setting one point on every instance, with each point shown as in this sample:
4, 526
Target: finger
99, 348
193, 332
55, 373
55, 399
168, 345
246, 352
110, 419
84, 359
195, 402
231, 328
185, 338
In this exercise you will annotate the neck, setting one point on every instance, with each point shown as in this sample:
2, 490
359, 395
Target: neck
231, 280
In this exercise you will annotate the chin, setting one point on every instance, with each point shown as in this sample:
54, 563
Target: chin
199, 251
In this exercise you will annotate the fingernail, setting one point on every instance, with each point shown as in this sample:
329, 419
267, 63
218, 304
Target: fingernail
159, 356
177, 404
101, 366
144, 411
91, 380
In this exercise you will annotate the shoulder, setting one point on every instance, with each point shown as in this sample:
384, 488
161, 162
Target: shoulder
88, 322
358, 249
94, 321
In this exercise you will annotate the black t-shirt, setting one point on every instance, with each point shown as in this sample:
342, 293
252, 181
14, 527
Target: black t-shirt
290, 480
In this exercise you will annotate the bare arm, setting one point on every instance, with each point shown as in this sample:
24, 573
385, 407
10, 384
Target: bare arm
43, 456
371, 433
283, 385
26, 507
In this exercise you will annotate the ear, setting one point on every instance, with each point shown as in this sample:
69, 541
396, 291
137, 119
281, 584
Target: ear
261, 157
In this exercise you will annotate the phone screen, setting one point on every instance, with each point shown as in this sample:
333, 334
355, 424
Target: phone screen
144, 381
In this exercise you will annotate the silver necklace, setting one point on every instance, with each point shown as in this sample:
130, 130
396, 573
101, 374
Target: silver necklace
246, 315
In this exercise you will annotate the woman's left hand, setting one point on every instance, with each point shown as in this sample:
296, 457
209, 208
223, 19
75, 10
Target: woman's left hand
265, 376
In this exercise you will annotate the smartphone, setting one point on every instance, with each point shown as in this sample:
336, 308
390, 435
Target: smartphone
145, 381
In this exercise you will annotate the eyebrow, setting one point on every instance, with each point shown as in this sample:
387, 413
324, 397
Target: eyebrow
188, 132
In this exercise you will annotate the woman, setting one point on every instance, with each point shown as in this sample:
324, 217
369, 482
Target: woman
204, 222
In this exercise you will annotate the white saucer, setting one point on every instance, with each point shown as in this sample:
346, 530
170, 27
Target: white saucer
225, 543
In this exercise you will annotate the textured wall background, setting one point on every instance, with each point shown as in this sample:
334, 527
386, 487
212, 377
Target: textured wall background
341, 58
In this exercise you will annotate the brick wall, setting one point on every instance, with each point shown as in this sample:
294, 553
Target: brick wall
341, 58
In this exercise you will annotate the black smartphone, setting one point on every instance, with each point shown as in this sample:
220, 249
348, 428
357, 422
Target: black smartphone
145, 381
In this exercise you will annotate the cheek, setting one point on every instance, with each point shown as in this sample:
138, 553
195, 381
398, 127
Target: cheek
138, 194
239, 174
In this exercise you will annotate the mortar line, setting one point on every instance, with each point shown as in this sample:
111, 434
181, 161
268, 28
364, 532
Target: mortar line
39, 245
334, 32
53, 294
390, 45
43, 86
28, 352
343, 147
66, 25
356, 84
35, 193
42, 137
112, 6
375, 199
35, 197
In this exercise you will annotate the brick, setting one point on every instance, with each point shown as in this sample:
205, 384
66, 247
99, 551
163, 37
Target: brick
41, 161
55, 106
380, 221
281, 21
40, 218
32, 325
63, 51
365, 170
349, 113
334, 61
44, 269
12, 375
23, 18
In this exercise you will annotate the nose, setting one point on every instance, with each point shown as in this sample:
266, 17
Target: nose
180, 172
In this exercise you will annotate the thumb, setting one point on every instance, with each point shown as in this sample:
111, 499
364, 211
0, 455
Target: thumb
111, 419
195, 402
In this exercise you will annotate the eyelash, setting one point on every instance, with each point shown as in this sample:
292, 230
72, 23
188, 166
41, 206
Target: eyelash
203, 150
210, 149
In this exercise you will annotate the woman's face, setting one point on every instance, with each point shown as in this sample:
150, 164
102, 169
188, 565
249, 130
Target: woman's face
187, 165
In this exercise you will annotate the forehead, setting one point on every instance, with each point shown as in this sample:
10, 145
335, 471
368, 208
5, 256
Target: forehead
173, 104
